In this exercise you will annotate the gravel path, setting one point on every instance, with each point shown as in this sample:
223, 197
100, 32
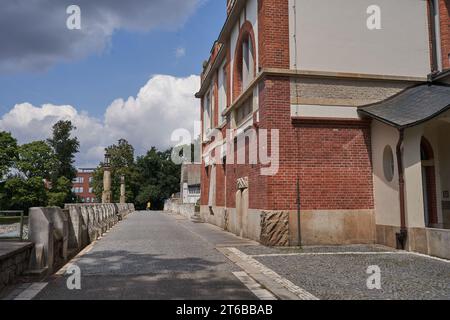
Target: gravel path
403, 276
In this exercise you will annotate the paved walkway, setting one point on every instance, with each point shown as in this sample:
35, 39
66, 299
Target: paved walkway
155, 256
161, 256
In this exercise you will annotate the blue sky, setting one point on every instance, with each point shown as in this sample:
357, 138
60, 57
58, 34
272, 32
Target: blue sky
92, 83
130, 72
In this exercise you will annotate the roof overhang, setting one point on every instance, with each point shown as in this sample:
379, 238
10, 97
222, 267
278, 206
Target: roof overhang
210, 72
412, 106
232, 18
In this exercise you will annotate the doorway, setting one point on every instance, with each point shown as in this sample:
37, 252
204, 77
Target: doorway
428, 183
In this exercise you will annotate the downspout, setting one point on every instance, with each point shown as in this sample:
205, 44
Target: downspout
298, 213
434, 42
299, 226
403, 234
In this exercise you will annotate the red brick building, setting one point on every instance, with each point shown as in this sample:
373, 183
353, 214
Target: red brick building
82, 185
302, 69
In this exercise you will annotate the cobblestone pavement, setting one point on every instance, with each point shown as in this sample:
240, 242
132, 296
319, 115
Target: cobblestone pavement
153, 256
341, 272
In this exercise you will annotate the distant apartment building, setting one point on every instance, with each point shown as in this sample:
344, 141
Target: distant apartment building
355, 91
82, 185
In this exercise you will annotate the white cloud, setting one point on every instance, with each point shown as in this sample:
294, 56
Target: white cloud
34, 34
164, 104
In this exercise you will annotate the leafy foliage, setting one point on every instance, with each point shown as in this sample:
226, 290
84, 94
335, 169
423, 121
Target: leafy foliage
31, 165
122, 163
152, 177
8, 152
36, 159
65, 149
159, 176
60, 192
23, 193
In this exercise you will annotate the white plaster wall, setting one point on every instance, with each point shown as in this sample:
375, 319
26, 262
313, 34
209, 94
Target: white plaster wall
415, 217
444, 157
386, 194
332, 35
387, 207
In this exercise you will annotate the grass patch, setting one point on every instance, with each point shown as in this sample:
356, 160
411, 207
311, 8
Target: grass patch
11, 220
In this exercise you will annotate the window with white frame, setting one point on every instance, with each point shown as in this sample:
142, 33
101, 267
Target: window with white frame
77, 190
78, 180
222, 84
208, 113
243, 113
248, 72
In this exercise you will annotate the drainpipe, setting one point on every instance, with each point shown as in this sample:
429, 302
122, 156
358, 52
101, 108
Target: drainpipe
403, 234
298, 213
433, 30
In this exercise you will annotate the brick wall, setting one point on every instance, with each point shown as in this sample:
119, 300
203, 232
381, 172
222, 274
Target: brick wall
204, 186
444, 11
331, 158
273, 29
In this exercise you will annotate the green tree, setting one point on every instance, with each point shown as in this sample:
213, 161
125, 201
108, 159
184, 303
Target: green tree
122, 163
60, 192
36, 159
159, 178
8, 152
65, 149
25, 193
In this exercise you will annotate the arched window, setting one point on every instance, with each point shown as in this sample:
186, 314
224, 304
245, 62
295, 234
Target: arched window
247, 70
245, 59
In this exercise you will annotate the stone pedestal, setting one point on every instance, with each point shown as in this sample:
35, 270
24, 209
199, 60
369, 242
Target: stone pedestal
107, 194
122, 190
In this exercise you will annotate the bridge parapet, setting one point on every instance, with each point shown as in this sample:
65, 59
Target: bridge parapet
59, 234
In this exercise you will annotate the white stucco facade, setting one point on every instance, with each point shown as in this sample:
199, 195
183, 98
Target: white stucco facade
332, 36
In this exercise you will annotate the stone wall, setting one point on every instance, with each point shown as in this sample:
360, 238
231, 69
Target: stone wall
176, 206
14, 258
433, 242
279, 228
59, 234
275, 228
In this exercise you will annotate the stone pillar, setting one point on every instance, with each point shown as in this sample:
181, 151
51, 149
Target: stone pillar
107, 194
122, 190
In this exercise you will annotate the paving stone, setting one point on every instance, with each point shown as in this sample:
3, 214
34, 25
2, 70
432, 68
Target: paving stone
154, 256
344, 277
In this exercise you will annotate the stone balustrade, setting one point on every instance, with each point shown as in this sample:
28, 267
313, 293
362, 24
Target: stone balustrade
187, 210
59, 234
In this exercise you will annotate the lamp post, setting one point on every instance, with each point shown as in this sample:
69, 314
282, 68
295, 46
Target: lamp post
107, 195
122, 189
